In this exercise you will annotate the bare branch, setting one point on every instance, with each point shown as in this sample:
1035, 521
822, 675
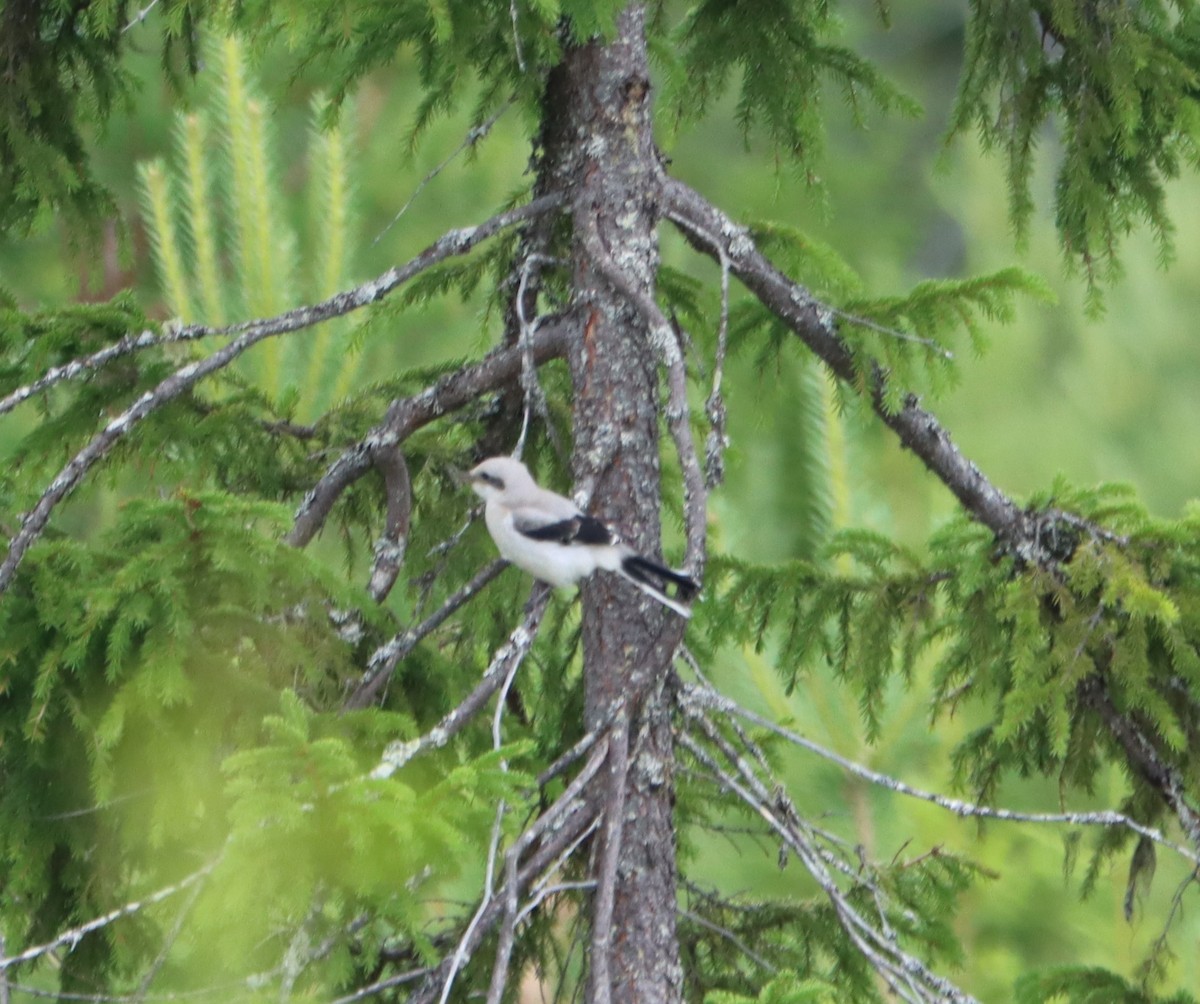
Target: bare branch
600, 978
904, 974
97, 360
406, 415
706, 697
561, 827
74, 935
508, 656
248, 333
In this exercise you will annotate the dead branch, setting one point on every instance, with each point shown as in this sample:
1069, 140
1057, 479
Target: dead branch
706, 697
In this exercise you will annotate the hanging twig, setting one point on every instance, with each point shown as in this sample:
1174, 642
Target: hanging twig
390, 547
714, 405
662, 338
534, 397
600, 978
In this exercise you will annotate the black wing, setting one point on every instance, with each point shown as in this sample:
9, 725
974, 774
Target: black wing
576, 530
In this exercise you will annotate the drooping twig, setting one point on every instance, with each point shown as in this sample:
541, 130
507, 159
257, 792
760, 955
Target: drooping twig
535, 398
247, 334
390, 547
600, 978
709, 229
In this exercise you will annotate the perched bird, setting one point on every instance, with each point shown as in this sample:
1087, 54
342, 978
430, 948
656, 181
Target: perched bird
547, 536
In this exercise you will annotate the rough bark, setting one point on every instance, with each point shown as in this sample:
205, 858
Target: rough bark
598, 145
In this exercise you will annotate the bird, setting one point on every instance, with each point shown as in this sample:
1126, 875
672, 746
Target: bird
551, 538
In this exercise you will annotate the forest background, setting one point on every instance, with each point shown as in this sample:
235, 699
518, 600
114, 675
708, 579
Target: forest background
1096, 395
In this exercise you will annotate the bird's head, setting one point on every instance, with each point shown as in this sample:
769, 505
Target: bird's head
498, 476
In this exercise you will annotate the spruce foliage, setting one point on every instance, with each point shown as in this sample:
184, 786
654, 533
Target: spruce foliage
178, 741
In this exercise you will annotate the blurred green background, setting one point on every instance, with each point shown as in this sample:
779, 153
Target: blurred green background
1109, 398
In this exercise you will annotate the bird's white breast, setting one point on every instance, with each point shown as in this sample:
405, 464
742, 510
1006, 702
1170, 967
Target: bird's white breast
558, 564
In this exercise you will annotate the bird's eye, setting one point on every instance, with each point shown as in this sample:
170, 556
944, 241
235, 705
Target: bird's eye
492, 480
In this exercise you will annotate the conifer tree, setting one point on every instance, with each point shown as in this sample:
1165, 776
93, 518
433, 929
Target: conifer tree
264, 726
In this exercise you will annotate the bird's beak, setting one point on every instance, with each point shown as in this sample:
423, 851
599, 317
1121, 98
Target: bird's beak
464, 478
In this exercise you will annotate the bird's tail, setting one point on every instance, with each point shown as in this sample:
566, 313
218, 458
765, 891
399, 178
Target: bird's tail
652, 578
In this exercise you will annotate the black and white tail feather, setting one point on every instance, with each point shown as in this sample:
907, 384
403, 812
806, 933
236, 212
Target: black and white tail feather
550, 538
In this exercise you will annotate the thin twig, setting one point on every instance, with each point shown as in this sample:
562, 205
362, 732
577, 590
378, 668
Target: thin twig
511, 652
561, 823
379, 986
666, 345
387, 657
473, 136
534, 397
171, 937
714, 405
729, 936
140, 16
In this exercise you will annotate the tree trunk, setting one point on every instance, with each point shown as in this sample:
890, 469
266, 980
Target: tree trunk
598, 145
